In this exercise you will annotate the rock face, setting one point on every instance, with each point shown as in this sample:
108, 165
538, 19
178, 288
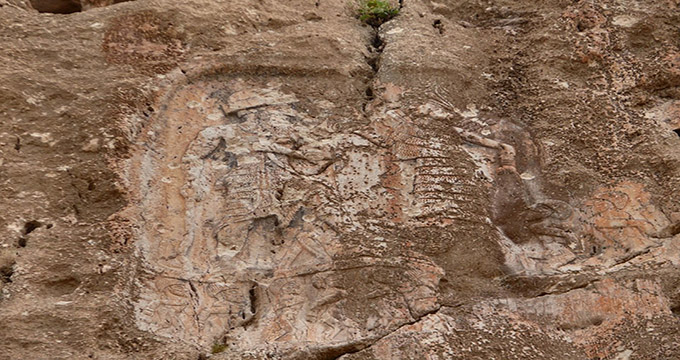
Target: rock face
276, 180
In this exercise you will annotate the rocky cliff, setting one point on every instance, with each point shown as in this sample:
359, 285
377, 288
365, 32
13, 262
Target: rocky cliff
260, 179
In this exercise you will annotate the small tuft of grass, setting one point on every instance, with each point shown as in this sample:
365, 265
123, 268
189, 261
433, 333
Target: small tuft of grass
218, 348
376, 12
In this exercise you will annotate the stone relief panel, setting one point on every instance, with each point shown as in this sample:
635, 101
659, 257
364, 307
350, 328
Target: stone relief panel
537, 233
540, 235
248, 208
265, 222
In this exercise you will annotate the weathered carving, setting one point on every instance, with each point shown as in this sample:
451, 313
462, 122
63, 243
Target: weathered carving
541, 230
264, 223
249, 223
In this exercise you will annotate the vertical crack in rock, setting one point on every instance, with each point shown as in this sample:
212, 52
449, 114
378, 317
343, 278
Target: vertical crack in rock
374, 62
252, 298
376, 48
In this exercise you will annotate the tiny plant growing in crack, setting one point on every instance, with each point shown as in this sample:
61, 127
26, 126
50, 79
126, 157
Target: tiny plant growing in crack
376, 12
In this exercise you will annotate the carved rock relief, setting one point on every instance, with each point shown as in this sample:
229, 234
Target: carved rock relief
261, 224
537, 233
540, 235
248, 208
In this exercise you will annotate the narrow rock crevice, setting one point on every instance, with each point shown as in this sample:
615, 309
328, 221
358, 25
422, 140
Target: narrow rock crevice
252, 298
7, 264
194, 304
376, 48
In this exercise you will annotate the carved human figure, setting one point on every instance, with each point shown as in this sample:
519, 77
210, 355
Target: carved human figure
255, 201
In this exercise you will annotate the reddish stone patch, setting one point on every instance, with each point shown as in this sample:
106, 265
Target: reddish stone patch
622, 218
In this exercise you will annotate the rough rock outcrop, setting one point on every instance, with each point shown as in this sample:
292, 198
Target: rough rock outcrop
260, 179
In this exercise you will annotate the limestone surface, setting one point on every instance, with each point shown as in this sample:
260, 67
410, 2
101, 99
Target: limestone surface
261, 179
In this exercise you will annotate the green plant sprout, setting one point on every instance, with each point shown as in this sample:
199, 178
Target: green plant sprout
376, 12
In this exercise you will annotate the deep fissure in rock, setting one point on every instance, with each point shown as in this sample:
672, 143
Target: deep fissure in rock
57, 6
369, 93
195, 300
376, 48
253, 299
377, 42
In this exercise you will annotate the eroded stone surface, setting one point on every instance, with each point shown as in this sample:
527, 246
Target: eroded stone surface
253, 197
272, 217
266, 179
